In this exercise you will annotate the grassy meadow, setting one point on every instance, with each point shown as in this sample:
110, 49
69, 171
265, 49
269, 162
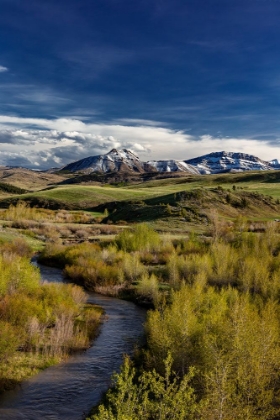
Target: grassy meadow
170, 205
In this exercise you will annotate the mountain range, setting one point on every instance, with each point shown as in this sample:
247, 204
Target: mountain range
125, 161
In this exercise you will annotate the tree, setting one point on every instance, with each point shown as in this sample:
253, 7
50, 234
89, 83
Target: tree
150, 396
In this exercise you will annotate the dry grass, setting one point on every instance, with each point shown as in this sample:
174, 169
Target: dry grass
28, 179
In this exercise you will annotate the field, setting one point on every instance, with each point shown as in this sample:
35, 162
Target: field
85, 195
171, 205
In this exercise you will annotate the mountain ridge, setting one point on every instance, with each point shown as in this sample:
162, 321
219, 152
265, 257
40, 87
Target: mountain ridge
126, 161
222, 162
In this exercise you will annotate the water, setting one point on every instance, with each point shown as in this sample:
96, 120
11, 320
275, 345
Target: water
67, 391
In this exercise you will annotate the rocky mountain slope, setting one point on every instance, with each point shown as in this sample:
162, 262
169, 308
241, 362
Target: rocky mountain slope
218, 162
114, 161
125, 161
172, 166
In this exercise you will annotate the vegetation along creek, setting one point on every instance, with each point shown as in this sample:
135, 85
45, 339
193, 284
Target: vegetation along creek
70, 389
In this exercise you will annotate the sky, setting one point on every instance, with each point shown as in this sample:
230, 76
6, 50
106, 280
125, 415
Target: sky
168, 79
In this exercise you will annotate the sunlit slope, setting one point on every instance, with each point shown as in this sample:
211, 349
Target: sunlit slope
198, 205
90, 196
27, 179
266, 182
79, 196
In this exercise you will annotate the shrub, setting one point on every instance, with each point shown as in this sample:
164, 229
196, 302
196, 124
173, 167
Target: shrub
233, 342
9, 340
17, 274
147, 288
142, 238
149, 396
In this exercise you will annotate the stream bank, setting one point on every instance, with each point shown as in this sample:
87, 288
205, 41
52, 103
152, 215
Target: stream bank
68, 391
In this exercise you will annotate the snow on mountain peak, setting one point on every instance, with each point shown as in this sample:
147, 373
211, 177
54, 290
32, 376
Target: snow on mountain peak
122, 154
275, 163
114, 161
126, 161
217, 162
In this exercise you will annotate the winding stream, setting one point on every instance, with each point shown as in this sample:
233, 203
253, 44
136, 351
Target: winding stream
67, 391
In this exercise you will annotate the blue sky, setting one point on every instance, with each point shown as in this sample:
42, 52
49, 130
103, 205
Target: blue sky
168, 79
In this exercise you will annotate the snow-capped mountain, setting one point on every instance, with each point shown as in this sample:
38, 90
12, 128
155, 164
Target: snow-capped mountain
275, 163
114, 161
218, 162
126, 161
172, 166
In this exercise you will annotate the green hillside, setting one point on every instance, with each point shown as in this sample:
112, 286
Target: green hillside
184, 199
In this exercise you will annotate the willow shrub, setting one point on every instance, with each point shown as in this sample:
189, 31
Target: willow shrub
231, 339
149, 396
35, 316
148, 288
94, 266
17, 274
10, 339
21, 211
18, 246
92, 273
141, 238
251, 262
131, 266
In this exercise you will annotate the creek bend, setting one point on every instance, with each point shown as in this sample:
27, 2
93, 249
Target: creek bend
68, 390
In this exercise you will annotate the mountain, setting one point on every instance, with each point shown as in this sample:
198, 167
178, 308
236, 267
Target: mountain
219, 162
126, 162
275, 163
114, 161
172, 166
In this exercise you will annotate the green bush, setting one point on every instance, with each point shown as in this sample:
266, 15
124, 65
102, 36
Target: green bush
142, 238
17, 274
149, 396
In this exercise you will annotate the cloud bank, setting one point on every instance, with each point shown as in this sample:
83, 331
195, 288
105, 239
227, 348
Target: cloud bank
44, 143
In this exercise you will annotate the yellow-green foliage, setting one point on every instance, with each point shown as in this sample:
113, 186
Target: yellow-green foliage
88, 263
142, 238
150, 396
45, 319
17, 275
231, 339
250, 262
221, 324
148, 287
22, 211
9, 340
131, 266
94, 266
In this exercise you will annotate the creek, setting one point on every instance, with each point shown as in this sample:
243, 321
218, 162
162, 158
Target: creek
68, 390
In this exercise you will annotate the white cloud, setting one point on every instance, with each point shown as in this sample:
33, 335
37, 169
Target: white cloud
60, 141
3, 69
